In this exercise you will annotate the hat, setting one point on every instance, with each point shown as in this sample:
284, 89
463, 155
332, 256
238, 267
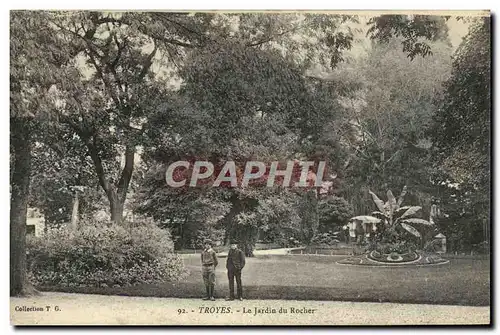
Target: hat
208, 241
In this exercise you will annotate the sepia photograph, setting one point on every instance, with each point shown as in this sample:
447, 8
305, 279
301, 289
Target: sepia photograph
250, 168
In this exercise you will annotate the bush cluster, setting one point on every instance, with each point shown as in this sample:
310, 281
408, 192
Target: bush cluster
334, 212
325, 239
97, 255
208, 233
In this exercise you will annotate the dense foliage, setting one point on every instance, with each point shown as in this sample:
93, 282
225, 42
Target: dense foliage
244, 104
415, 30
97, 255
462, 141
390, 113
334, 212
325, 239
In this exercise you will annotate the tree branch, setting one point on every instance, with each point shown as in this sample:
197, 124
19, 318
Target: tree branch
126, 174
67, 120
99, 169
92, 149
393, 155
271, 37
172, 58
120, 48
149, 61
112, 68
92, 54
172, 41
108, 19
166, 18
107, 84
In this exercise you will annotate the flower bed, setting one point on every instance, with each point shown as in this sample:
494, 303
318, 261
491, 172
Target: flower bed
410, 259
393, 257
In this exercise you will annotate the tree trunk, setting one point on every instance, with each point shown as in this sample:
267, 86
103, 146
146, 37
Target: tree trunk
20, 143
74, 212
228, 220
123, 185
116, 194
116, 208
245, 235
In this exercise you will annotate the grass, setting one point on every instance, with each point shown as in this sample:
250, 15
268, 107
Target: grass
305, 277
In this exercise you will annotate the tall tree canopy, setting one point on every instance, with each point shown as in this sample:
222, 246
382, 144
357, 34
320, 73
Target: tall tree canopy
239, 104
37, 64
462, 138
390, 110
415, 31
462, 132
126, 60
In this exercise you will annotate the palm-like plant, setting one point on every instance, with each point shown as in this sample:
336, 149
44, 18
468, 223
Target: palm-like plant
393, 216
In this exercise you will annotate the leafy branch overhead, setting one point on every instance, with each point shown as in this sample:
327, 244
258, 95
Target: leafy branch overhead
415, 30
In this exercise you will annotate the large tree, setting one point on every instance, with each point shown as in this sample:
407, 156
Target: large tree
63, 184
240, 104
462, 134
104, 71
127, 59
37, 65
390, 111
114, 91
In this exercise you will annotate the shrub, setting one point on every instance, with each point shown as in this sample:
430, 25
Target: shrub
463, 232
432, 246
282, 239
482, 248
101, 255
333, 212
210, 233
326, 239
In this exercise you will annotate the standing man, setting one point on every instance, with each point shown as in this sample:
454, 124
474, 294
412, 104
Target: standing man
360, 232
234, 264
208, 263
346, 233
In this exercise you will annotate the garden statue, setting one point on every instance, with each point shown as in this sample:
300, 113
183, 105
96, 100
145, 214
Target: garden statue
442, 245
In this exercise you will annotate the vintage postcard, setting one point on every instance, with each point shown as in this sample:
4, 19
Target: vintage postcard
250, 168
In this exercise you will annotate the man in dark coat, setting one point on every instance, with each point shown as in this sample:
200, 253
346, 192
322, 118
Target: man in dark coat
234, 264
208, 264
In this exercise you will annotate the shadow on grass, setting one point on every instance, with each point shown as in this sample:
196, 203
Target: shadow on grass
304, 277
435, 295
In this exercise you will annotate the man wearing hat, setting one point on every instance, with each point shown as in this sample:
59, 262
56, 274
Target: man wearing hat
234, 264
208, 264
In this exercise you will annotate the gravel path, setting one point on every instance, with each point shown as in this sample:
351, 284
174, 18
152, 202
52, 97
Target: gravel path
279, 251
83, 309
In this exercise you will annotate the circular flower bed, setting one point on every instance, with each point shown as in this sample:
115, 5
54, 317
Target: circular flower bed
393, 257
384, 260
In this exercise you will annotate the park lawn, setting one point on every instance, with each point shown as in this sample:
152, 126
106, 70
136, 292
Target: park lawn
303, 277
